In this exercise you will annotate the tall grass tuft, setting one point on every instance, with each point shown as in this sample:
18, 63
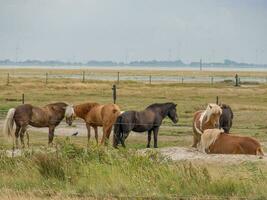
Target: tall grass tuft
50, 166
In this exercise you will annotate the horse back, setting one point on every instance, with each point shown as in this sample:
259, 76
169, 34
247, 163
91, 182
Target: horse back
103, 114
229, 144
82, 110
110, 112
145, 117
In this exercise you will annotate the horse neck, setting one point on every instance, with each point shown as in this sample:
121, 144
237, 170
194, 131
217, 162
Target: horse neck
164, 110
79, 111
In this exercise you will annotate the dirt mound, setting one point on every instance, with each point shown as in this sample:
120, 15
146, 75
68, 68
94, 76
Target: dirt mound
192, 154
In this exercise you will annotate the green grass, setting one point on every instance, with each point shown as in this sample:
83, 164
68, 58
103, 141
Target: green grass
74, 171
104, 172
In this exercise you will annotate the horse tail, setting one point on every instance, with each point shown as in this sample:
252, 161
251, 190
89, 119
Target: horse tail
259, 151
118, 133
9, 122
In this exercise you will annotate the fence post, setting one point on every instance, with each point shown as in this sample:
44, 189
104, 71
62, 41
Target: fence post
150, 79
114, 90
83, 80
118, 77
22, 99
212, 80
217, 100
7, 80
182, 80
46, 78
237, 80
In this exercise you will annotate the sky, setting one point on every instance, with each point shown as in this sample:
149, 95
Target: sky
127, 30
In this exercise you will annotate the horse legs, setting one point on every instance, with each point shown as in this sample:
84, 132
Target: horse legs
16, 137
155, 133
105, 134
96, 134
196, 140
88, 132
123, 144
148, 138
21, 135
28, 138
51, 134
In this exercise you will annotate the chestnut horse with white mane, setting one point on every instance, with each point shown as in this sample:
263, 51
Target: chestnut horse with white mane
95, 114
205, 119
217, 142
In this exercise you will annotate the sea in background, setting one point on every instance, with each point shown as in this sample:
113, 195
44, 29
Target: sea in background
143, 78
167, 68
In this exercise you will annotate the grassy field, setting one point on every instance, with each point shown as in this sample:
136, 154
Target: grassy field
75, 171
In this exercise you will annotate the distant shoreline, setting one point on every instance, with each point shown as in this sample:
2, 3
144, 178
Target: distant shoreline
154, 68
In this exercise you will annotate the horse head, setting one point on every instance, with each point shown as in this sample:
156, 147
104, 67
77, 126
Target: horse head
172, 114
213, 112
69, 114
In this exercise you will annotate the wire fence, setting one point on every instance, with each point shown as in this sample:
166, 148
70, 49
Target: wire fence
84, 76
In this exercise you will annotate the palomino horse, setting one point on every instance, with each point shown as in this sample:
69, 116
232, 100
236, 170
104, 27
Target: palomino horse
149, 120
216, 141
205, 119
96, 115
48, 116
226, 119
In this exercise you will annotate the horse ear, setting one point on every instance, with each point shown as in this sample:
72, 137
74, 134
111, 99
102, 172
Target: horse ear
210, 106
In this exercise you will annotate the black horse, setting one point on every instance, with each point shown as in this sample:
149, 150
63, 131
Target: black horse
226, 119
149, 120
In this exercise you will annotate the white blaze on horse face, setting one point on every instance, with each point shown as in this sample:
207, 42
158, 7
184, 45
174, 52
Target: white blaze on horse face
69, 111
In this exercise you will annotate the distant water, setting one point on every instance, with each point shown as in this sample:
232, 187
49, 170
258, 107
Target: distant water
178, 68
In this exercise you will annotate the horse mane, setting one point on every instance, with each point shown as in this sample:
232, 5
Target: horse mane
211, 109
225, 106
60, 104
156, 105
208, 138
69, 111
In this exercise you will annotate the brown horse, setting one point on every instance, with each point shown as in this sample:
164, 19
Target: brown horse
205, 119
24, 115
216, 141
95, 114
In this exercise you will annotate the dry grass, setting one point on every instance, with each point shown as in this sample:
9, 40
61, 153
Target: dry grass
247, 102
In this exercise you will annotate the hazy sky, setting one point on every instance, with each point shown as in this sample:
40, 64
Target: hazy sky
125, 30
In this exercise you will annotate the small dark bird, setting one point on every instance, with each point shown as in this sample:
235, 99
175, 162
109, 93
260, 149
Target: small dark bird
75, 134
